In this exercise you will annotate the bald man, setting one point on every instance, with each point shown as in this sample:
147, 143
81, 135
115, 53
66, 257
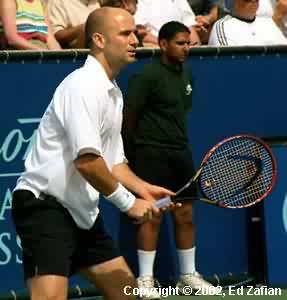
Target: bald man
78, 153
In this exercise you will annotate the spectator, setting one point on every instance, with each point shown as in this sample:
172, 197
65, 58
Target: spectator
277, 9
129, 5
243, 27
68, 19
206, 12
24, 25
154, 13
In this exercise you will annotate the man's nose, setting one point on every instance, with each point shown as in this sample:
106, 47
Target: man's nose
134, 40
186, 47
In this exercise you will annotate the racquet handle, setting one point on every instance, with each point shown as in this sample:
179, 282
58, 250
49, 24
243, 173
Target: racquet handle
163, 202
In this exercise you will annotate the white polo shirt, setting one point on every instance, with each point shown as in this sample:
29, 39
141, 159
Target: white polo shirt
85, 115
231, 31
154, 13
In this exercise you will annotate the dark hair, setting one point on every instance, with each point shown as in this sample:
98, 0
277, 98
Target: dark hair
113, 3
170, 29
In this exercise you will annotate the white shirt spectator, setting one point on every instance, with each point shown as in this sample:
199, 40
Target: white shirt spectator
154, 13
265, 8
84, 116
231, 31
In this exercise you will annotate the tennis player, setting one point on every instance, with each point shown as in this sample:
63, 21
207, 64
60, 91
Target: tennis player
156, 141
78, 153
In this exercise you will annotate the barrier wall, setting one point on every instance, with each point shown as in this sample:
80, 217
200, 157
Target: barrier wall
235, 90
276, 224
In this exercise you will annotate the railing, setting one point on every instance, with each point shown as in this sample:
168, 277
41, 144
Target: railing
20, 56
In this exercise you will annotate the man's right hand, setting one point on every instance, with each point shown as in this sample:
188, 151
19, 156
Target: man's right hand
143, 211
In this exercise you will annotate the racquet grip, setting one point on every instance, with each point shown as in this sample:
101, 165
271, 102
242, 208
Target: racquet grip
163, 202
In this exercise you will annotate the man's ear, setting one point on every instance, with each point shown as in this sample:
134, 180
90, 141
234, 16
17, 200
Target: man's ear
163, 44
98, 40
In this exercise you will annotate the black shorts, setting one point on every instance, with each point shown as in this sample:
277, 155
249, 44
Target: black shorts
169, 168
52, 243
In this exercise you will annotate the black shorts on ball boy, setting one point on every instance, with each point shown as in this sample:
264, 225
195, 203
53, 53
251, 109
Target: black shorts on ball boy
166, 167
52, 243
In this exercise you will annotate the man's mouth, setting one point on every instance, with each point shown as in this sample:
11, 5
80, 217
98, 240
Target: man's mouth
132, 52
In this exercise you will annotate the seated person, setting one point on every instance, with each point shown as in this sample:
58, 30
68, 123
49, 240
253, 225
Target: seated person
24, 25
68, 19
243, 27
268, 8
206, 13
152, 14
129, 5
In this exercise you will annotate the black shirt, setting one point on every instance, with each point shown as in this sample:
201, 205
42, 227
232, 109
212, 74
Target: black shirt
161, 97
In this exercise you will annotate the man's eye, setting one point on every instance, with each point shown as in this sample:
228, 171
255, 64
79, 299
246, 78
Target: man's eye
126, 33
183, 43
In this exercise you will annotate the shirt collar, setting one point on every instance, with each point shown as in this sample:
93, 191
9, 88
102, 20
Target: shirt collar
93, 64
244, 20
172, 67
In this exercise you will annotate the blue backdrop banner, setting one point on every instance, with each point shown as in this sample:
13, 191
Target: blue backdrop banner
232, 94
275, 211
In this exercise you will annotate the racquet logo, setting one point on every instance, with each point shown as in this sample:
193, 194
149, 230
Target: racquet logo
209, 183
254, 166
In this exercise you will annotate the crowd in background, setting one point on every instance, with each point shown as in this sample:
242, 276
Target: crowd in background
59, 24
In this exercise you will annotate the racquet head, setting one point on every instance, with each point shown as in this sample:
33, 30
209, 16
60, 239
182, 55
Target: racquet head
238, 172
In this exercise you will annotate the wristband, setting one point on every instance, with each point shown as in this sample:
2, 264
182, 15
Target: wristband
122, 198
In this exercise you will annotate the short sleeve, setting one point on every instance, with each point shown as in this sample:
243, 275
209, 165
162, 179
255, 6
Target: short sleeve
213, 37
120, 154
80, 115
223, 34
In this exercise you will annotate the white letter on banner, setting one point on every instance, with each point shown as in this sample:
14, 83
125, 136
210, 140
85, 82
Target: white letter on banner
5, 249
18, 241
7, 204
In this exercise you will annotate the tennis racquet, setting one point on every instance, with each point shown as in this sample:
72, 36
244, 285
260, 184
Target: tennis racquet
236, 173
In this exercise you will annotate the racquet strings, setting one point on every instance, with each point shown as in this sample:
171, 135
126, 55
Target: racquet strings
237, 173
